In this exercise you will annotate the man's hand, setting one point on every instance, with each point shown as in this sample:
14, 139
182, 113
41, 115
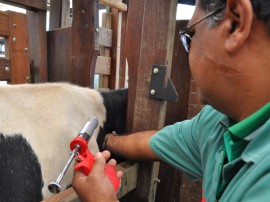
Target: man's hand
96, 187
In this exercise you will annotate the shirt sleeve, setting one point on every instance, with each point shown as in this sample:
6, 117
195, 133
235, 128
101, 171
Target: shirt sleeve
178, 145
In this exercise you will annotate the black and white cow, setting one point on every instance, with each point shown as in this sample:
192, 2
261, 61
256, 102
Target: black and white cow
37, 123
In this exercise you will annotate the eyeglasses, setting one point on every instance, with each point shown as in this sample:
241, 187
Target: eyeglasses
186, 38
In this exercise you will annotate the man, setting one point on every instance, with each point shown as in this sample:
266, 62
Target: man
228, 142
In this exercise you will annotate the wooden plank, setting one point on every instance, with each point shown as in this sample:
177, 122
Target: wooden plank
19, 48
176, 111
105, 51
28, 4
152, 23
66, 20
84, 42
55, 14
103, 65
114, 4
128, 183
68, 195
59, 55
4, 22
105, 37
107, 20
5, 69
59, 14
129, 180
38, 45
121, 62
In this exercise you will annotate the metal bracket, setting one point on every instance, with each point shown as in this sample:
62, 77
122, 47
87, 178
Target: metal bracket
157, 90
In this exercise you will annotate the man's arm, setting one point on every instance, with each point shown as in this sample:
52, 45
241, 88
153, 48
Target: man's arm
134, 146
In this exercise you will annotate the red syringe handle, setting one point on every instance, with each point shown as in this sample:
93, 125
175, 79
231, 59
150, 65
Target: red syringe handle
87, 159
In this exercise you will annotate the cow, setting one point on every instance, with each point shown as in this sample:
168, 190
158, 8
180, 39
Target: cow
42, 119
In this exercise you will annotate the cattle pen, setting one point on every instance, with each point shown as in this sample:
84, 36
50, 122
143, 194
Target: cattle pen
136, 40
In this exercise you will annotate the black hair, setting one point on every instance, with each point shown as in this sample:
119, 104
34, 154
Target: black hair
261, 9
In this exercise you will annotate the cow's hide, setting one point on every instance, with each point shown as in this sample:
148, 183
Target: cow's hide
20, 172
48, 116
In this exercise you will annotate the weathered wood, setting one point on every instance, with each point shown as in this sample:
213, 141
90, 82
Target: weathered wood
128, 183
84, 42
5, 69
55, 14
107, 20
122, 61
103, 65
66, 20
118, 50
59, 55
176, 111
68, 195
19, 48
105, 37
105, 51
28, 4
149, 40
4, 22
38, 45
59, 14
114, 4
129, 180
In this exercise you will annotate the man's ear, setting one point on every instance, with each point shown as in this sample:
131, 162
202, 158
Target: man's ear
239, 17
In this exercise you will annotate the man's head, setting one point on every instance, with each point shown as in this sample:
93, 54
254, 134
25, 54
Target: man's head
230, 54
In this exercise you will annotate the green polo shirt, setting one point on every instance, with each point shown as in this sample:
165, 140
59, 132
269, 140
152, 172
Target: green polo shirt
196, 147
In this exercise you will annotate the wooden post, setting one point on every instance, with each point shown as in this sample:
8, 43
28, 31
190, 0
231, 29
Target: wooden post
178, 111
59, 14
149, 40
38, 45
19, 48
118, 54
85, 46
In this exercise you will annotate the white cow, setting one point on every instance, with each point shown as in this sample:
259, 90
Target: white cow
49, 116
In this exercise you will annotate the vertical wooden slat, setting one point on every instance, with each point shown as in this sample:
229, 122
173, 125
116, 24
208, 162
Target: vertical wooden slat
84, 42
122, 62
59, 55
178, 111
19, 48
38, 45
149, 40
105, 51
4, 22
55, 14
59, 14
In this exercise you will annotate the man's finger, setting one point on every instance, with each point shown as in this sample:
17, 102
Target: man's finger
99, 164
112, 162
106, 154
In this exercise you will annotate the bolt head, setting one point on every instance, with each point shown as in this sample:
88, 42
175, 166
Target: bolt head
7, 69
152, 92
156, 70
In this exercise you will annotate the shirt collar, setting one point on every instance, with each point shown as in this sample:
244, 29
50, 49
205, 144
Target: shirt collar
255, 125
246, 129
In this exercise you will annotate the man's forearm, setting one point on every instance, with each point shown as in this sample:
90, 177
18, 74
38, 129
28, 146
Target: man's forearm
134, 146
